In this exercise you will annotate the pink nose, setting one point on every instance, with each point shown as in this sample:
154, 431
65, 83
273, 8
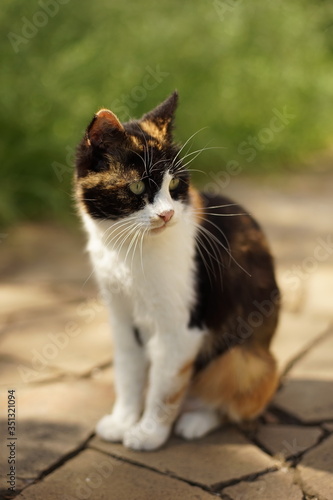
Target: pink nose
167, 215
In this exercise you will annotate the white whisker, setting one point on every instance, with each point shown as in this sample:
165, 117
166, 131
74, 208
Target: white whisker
136, 231
191, 137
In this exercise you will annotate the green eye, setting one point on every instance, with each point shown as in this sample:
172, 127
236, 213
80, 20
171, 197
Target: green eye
174, 183
137, 187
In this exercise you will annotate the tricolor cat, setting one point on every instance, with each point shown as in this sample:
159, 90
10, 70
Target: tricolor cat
188, 279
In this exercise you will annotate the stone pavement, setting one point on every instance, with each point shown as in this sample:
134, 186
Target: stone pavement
56, 354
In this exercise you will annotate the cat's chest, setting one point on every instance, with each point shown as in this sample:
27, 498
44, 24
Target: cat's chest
159, 275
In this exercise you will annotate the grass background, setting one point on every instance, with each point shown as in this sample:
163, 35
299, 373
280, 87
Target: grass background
233, 63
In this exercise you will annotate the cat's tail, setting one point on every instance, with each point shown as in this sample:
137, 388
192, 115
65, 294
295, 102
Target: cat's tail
240, 382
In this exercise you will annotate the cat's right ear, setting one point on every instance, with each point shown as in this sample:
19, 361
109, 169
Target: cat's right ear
104, 129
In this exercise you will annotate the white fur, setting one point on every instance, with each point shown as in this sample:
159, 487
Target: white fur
147, 282
195, 424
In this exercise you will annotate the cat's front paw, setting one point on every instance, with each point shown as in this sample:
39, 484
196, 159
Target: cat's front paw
141, 437
112, 427
194, 425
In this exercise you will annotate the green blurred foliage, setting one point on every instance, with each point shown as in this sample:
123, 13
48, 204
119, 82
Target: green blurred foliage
235, 64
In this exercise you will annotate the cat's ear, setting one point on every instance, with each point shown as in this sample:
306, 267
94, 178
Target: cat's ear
159, 121
104, 129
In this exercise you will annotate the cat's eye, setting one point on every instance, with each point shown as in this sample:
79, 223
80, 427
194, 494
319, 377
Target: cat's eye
137, 187
174, 183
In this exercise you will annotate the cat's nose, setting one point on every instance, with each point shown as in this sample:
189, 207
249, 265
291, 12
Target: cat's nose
167, 215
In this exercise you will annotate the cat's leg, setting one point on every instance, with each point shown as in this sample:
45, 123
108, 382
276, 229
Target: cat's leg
172, 355
197, 423
240, 382
130, 366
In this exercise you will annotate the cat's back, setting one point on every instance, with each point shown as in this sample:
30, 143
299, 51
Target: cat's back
231, 228
235, 266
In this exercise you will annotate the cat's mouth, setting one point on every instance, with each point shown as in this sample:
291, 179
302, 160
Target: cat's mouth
158, 229
161, 228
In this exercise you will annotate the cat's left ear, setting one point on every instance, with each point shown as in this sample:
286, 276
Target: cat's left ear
159, 121
104, 129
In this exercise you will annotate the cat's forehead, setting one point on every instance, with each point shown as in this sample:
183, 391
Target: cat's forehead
145, 136
141, 158
114, 177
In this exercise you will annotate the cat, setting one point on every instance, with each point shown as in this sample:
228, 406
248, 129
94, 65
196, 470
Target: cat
188, 279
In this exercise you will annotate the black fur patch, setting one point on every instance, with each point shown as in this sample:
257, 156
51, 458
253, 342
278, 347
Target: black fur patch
137, 336
235, 278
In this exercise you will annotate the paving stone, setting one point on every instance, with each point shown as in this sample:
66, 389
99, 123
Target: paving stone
75, 342
273, 486
219, 457
94, 475
43, 253
53, 420
328, 426
316, 470
11, 377
295, 332
54, 311
319, 298
307, 393
17, 298
309, 400
317, 363
292, 296
287, 440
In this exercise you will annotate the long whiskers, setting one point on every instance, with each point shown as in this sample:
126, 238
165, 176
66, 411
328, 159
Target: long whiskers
219, 242
203, 240
184, 145
121, 237
203, 212
136, 231
196, 153
141, 251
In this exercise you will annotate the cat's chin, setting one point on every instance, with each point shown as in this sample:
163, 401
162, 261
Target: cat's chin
155, 230
161, 229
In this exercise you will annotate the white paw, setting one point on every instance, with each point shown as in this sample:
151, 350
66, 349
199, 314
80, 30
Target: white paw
144, 437
112, 427
193, 425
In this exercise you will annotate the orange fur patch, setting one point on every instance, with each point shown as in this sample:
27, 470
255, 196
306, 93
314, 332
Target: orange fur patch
172, 401
242, 381
185, 368
114, 179
159, 132
175, 397
136, 142
197, 203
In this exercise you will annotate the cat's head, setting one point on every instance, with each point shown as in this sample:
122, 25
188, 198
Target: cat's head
132, 170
